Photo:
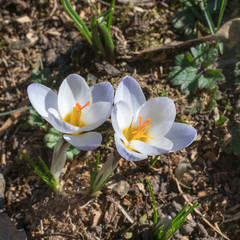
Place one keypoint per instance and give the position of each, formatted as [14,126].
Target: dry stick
[55,234]
[197,211]
[54,9]
[224,33]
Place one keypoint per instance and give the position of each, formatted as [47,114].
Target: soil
[40,31]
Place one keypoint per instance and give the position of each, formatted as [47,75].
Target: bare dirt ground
[35,31]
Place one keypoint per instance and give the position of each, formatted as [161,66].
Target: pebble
[203,231]
[121,188]
[187,229]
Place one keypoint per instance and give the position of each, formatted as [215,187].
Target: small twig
[196,210]
[41,225]
[124,212]
[54,9]
[83,206]
[38,236]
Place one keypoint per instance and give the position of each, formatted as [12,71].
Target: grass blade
[97,43]
[109,46]
[15,110]
[223,6]
[95,8]
[207,16]
[81,24]
[155,218]
[111,8]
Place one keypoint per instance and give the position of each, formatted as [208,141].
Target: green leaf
[221,120]
[193,70]
[72,151]
[40,76]
[75,17]
[47,177]
[35,119]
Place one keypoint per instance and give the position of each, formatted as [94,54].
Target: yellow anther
[138,133]
[74,118]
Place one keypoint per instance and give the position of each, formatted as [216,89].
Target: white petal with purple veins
[95,115]
[130,92]
[86,141]
[181,135]
[102,92]
[42,98]
[127,153]
[72,90]
[161,111]
[121,118]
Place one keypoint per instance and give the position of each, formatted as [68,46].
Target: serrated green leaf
[203,54]
[35,119]
[193,70]
[70,155]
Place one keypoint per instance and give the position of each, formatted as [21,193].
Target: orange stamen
[141,126]
[80,108]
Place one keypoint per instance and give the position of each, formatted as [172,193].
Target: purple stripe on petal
[126,153]
[87,141]
[102,92]
[181,135]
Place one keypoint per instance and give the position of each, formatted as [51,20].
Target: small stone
[180,170]
[8,230]
[91,78]
[51,56]
[121,188]
[187,229]
[177,206]
[155,185]
[141,187]
[203,231]
[111,70]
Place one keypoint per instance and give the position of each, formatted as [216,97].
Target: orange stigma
[141,126]
[80,108]
[74,117]
[142,129]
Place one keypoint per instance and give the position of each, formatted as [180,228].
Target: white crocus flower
[146,128]
[75,110]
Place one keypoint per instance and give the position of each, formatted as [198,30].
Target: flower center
[138,133]
[74,118]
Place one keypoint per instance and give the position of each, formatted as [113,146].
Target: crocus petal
[162,143]
[130,92]
[181,135]
[86,142]
[72,90]
[42,98]
[126,153]
[122,116]
[95,115]
[148,149]
[61,125]
[102,92]
[162,113]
